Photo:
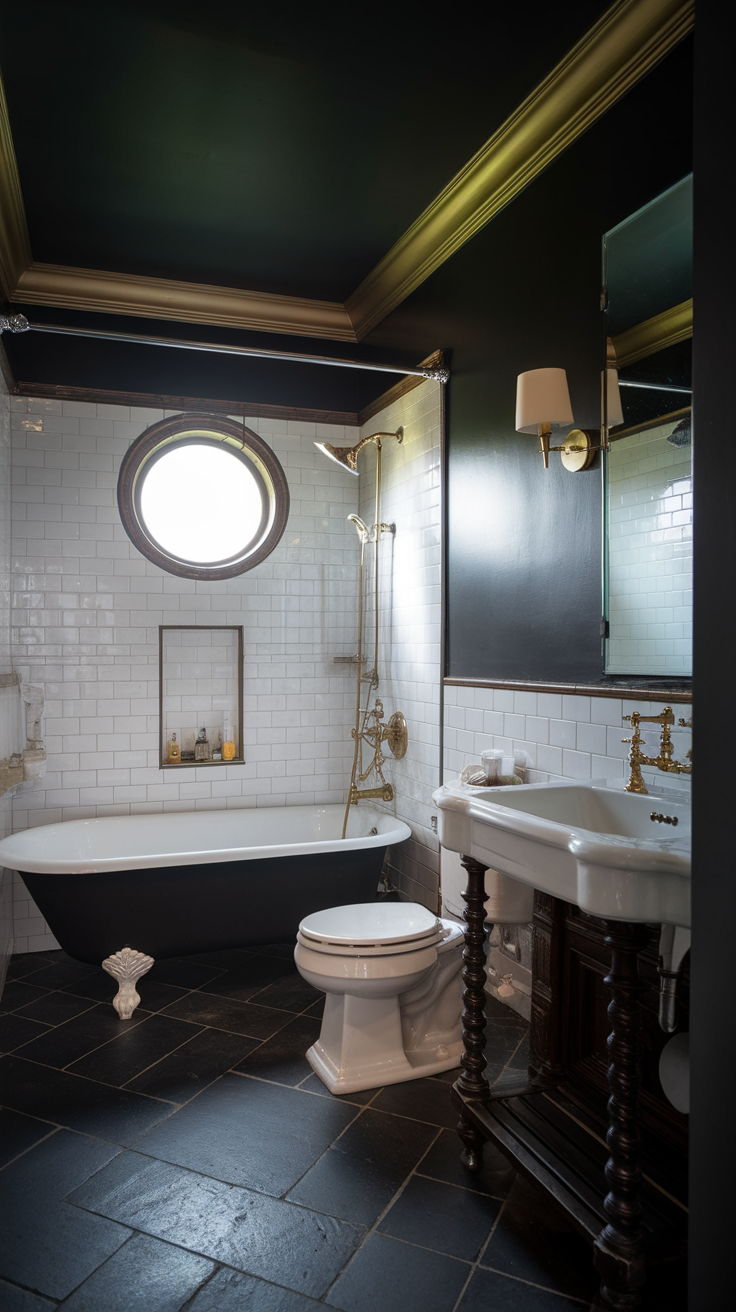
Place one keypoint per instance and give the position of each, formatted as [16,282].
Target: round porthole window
[202,497]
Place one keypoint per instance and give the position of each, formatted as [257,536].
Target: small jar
[228,742]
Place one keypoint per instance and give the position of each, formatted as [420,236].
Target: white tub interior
[134,842]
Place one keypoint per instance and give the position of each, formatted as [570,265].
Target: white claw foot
[126,967]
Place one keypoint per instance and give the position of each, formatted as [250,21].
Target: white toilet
[391,973]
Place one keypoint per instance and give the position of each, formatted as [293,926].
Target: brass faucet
[662,762]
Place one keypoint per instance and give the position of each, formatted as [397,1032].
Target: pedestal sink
[589,843]
[624,857]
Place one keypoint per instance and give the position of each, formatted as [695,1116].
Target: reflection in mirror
[648,470]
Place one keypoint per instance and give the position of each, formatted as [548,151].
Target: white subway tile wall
[650,554]
[86,611]
[565,737]
[409,625]
[6,887]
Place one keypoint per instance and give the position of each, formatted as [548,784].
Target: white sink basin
[589,843]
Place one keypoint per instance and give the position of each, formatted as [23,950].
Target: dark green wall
[524,546]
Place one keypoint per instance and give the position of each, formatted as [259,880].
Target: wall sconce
[543,403]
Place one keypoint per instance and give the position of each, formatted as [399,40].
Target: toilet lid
[366,925]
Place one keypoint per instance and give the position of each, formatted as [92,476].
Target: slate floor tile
[229,1014]
[291,993]
[263,1236]
[47,1245]
[532,1242]
[15,1299]
[283,950]
[145,1275]
[397,1277]
[133,1051]
[313,1084]
[99,987]
[283,1058]
[15,1031]
[442,1162]
[488,1289]
[358,1176]
[18,1133]
[68,1042]
[18,993]
[185,1072]
[253,975]
[60,972]
[185,974]
[424,1100]
[442,1217]
[231,1291]
[248,1132]
[24,964]
[77,1103]
[227,959]
[55,1008]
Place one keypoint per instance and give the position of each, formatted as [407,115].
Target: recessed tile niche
[200,695]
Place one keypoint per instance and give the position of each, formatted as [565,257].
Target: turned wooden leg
[472,1083]
[619,1248]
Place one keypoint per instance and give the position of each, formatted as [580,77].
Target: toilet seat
[370,929]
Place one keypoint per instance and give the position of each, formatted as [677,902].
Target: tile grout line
[372,1229]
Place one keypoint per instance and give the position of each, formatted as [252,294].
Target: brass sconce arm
[664,760]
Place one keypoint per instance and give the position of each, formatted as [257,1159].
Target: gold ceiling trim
[188,302]
[625,43]
[616,52]
[15,248]
[665,329]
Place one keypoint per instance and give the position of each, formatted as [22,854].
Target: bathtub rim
[16,851]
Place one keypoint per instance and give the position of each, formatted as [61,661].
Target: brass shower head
[340,454]
[347,456]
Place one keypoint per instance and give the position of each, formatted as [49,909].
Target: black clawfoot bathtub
[183,882]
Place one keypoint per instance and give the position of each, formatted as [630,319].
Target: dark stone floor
[190,1159]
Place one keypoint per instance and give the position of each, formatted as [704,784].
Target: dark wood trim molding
[437,360]
[645,691]
[159,401]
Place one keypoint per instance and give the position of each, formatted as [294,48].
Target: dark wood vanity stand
[591,1125]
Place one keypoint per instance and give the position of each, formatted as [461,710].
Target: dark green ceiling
[279,147]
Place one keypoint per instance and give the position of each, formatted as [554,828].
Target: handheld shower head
[363,530]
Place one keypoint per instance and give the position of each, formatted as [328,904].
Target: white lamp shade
[542,398]
[614,409]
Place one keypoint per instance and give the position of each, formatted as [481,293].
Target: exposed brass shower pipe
[348,458]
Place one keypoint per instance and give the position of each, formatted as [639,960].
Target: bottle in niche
[202,747]
[228,742]
[217,748]
[173,754]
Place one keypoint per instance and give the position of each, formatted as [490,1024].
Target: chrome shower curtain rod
[439,375]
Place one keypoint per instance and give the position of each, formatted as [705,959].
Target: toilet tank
[508,902]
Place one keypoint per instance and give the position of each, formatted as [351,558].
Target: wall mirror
[647,282]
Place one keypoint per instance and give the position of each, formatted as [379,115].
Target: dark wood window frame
[183,430]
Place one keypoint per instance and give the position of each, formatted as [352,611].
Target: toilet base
[394,1070]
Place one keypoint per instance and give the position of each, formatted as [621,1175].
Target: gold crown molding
[188,302]
[15,246]
[625,43]
[665,329]
[616,52]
